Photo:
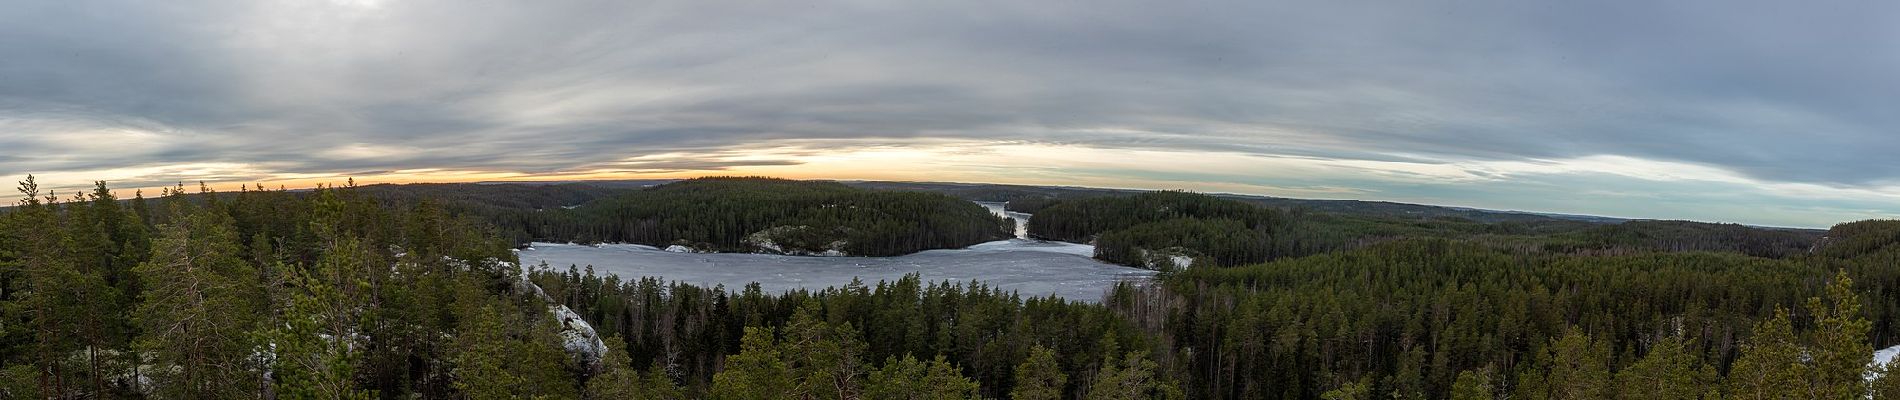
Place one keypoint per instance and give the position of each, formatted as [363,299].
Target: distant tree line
[739,214]
[1145,230]
[1135,230]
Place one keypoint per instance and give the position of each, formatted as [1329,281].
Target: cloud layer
[1776,103]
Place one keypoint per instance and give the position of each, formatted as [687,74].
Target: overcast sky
[1763,112]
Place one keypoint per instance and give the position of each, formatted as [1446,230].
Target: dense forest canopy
[770,215]
[1149,229]
[257,293]
[408,291]
[1144,230]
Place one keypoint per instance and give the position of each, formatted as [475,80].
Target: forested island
[752,214]
[407,291]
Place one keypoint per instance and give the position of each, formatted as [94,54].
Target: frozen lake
[1032,268]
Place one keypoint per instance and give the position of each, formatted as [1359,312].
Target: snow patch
[1882,357]
[1182,262]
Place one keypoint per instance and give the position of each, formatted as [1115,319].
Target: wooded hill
[1144,229]
[775,215]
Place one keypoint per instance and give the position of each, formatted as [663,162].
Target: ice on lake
[1029,267]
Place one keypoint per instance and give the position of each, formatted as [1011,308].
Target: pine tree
[199,309]
[316,346]
[1886,383]
[1128,376]
[1770,365]
[1474,385]
[53,290]
[618,380]
[498,353]
[825,360]
[1572,367]
[1839,343]
[1356,390]
[910,379]
[1039,377]
[758,372]
[1668,371]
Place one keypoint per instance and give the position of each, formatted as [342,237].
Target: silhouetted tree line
[1032,204]
[720,214]
[1143,230]
[1131,230]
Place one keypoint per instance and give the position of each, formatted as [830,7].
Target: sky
[1760,112]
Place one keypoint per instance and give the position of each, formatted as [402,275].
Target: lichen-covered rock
[799,241]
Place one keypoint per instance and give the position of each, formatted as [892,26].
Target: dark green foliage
[201,302]
[1478,384]
[322,294]
[1571,367]
[406,292]
[910,379]
[1670,370]
[1128,376]
[1861,239]
[1887,385]
[1413,314]
[984,331]
[1691,236]
[517,210]
[1218,242]
[1127,230]
[1039,377]
[1770,366]
[1030,205]
[758,371]
[742,214]
[1081,220]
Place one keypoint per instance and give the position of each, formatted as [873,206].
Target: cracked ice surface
[1033,268]
[1030,267]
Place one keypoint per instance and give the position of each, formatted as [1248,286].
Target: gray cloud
[1774,90]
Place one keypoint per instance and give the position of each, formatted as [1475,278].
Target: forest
[763,214]
[388,292]
[1144,230]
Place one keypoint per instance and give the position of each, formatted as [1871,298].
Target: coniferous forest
[412,291]
[765,214]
